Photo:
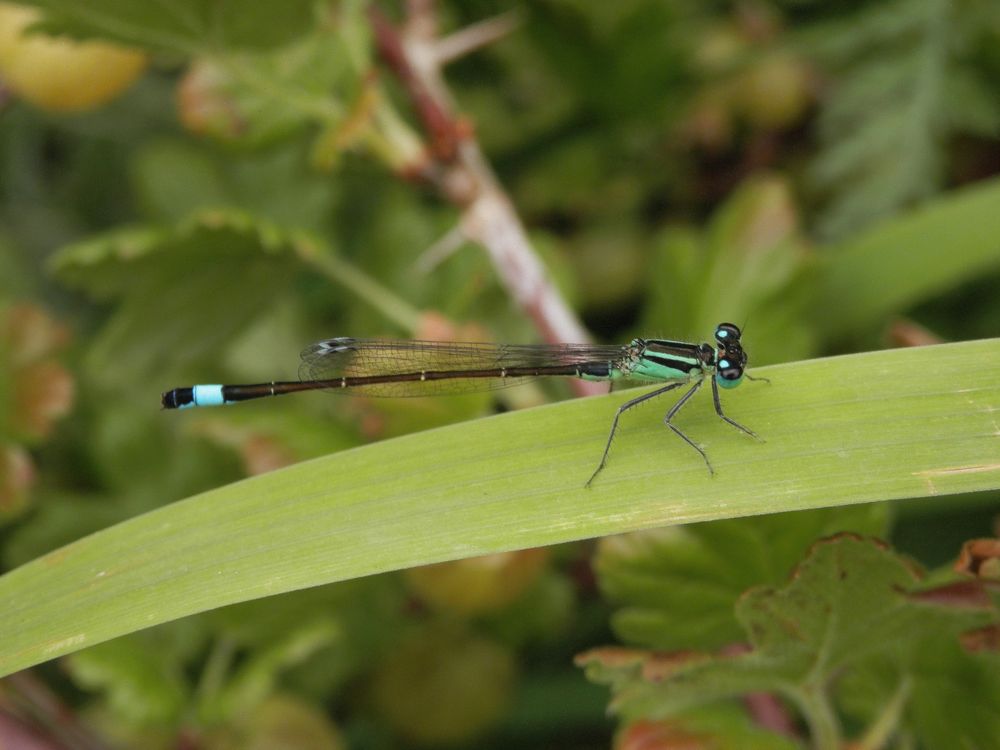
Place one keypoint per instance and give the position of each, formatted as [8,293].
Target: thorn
[474,37]
[441,250]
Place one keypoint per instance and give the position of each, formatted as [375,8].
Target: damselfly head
[730,360]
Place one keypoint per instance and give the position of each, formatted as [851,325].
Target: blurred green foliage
[823,174]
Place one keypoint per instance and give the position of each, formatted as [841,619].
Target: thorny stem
[471,38]
[461,173]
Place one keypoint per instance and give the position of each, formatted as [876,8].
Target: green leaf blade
[846,430]
[925,252]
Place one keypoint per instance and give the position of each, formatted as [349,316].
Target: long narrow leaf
[925,252]
[852,429]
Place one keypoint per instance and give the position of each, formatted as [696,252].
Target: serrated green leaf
[181,26]
[839,431]
[678,585]
[192,317]
[184,291]
[106,265]
[255,99]
[847,602]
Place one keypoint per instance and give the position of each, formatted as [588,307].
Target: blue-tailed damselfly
[375,367]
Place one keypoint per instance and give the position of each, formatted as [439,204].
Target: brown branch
[434,118]
[463,176]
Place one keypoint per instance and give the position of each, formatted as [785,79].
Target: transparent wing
[469,366]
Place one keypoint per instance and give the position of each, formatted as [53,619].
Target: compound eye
[726,333]
[729,373]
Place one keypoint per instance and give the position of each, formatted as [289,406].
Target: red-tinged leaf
[981,558]
[965,594]
[982,639]
[722,727]
[848,606]
[660,735]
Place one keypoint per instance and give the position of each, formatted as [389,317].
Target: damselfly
[374,367]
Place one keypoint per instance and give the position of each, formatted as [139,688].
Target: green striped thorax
[659,360]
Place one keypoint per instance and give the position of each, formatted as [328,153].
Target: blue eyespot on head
[727,333]
[728,374]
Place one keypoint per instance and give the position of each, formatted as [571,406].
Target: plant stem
[365,287]
[887,723]
[819,714]
[457,167]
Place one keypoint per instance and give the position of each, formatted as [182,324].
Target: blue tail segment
[199,395]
